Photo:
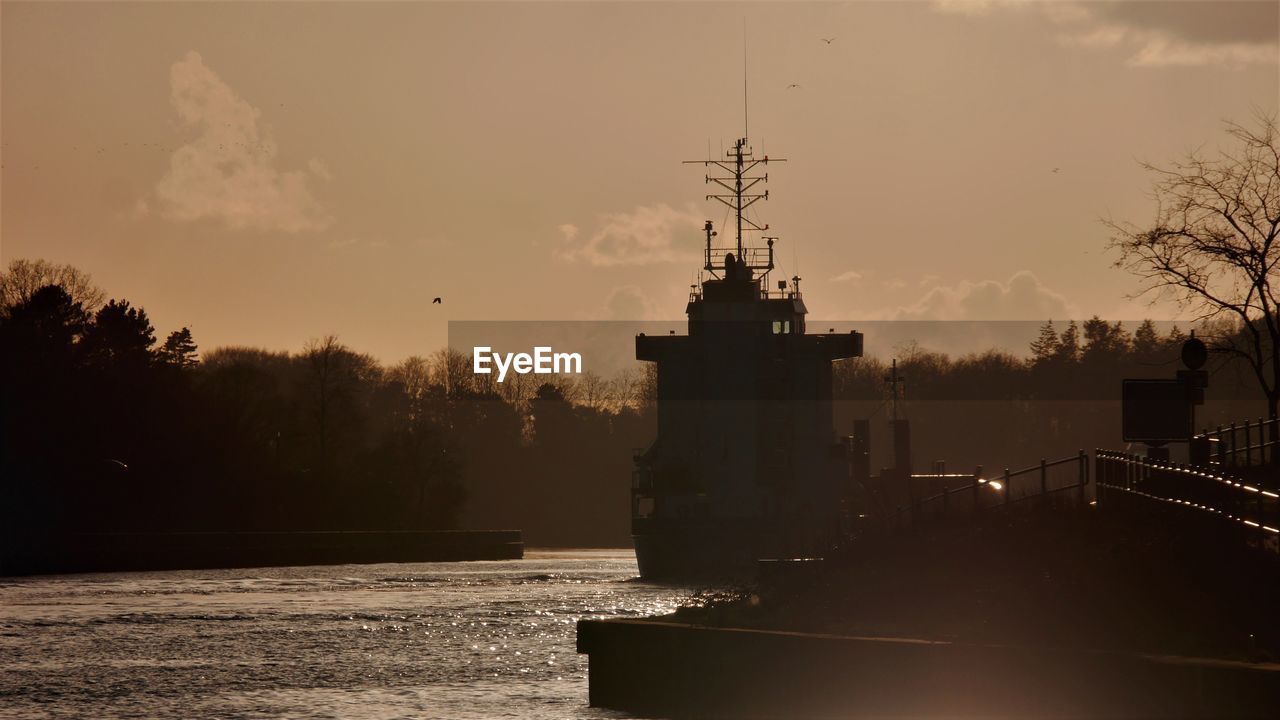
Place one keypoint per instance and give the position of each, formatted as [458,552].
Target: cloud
[648,235]
[1022,297]
[1157,34]
[1160,51]
[569,231]
[628,303]
[1218,22]
[847,276]
[975,8]
[228,171]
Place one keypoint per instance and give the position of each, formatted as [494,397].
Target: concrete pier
[675,670]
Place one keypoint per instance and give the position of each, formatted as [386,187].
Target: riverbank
[109,552]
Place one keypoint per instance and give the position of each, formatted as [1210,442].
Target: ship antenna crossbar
[739,183]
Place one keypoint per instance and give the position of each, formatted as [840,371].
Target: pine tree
[179,349]
[1104,342]
[1146,341]
[1044,347]
[1120,340]
[120,335]
[1069,344]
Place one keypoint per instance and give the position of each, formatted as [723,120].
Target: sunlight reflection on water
[440,640]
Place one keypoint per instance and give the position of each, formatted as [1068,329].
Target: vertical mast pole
[738,194]
[741,145]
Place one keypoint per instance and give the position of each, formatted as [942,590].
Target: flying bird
[793,85]
[436,301]
[1056,169]
[827,40]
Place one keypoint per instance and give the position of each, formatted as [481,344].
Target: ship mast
[738,182]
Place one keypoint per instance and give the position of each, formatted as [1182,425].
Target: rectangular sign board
[1155,411]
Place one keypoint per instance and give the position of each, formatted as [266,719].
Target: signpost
[1157,412]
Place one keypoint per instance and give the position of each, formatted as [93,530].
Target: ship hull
[693,553]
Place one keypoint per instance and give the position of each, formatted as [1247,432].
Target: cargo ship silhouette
[746,464]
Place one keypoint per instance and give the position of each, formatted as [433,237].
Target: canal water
[428,640]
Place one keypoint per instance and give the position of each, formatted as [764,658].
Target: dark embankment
[677,670]
[1101,613]
[108,552]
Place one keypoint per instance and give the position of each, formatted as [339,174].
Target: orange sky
[268,173]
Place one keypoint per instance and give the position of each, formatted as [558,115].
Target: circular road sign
[1194,353]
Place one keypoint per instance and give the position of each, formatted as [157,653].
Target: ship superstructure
[747,464]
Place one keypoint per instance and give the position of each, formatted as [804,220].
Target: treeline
[1075,361]
[107,428]
[996,410]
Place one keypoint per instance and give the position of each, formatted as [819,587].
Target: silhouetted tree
[1102,340]
[41,400]
[179,349]
[1045,346]
[44,326]
[1068,344]
[335,382]
[120,335]
[856,378]
[414,376]
[1146,341]
[989,375]
[1214,246]
[22,278]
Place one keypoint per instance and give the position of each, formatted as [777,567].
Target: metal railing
[1236,504]
[1004,486]
[1233,445]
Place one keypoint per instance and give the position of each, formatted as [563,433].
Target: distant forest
[106,426]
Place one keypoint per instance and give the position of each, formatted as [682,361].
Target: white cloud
[1160,50]
[628,303]
[1022,297]
[228,171]
[1156,34]
[847,276]
[648,235]
[974,7]
[1098,36]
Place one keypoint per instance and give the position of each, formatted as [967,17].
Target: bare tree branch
[1213,245]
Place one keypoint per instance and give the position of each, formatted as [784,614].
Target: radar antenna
[739,193]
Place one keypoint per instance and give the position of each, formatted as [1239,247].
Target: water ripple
[444,640]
